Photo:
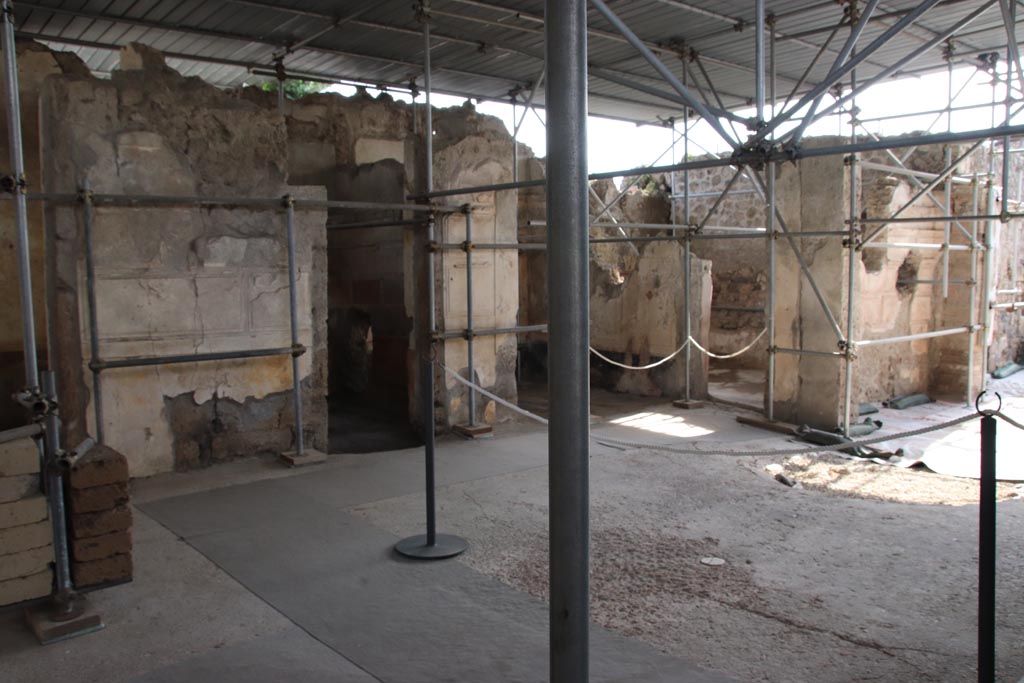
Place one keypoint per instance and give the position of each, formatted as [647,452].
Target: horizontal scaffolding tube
[915,245]
[1010,306]
[898,170]
[195,357]
[521,246]
[921,335]
[376,224]
[521,329]
[254,202]
[17,433]
[807,352]
[940,219]
[780,156]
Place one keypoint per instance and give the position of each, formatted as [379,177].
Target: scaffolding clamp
[467,246]
[288,201]
[433,246]
[298,350]
[848,349]
[10,184]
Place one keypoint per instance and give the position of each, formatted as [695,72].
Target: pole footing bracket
[444,546]
[308,457]
[474,431]
[63,619]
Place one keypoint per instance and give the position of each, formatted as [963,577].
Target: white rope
[722,448]
[729,355]
[655,364]
[494,397]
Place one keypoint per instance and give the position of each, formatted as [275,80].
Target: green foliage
[294,89]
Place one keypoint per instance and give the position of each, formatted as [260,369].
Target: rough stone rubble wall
[180,280]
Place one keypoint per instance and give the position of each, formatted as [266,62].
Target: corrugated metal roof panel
[484,48]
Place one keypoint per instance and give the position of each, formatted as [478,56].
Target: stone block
[18,487]
[21,512]
[19,457]
[100,466]
[100,547]
[99,523]
[26,588]
[97,498]
[25,563]
[25,537]
[107,570]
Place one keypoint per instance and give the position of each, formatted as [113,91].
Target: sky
[618,145]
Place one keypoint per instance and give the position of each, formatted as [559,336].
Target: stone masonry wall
[178,280]
[26,550]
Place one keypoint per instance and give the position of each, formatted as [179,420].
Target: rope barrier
[716,447]
[729,355]
[691,340]
[650,366]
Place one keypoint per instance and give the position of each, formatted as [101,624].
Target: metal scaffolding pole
[90,288]
[21,240]
[972,339]
[293,319]
[759,25]
[769,311]
[431,545]
[851,264]
[569,356]
[469,317]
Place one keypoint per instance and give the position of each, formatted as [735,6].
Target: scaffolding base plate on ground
[308,457]
[445,546]
[474,431]
[49,630]
[688,404]
[770,425]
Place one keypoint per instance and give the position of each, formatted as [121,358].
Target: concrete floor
[251,572]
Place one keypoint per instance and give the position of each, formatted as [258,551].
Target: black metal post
[432,545]
[568,301]
[987,554]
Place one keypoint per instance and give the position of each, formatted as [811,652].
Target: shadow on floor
[355,427]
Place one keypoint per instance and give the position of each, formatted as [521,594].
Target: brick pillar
[100,519]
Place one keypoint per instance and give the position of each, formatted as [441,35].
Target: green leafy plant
[295,89]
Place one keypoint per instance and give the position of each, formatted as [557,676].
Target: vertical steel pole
[515,143]
[55,499]
[769,393]
[90,288]
[432,545]
[972,338]
[21,242]
[429,418]
[469,315]
[294,321]
[759,25]
[569,306]
[851,276]
[987,554]
[687,329]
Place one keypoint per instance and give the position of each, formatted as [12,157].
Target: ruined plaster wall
[739,272]
[371,149]
[899,290]
[180,280]
[35,63]
[472,150]
[1007,338]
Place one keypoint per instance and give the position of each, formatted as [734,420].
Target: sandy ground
[863,573]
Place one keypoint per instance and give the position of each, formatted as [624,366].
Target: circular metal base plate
[445,546]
